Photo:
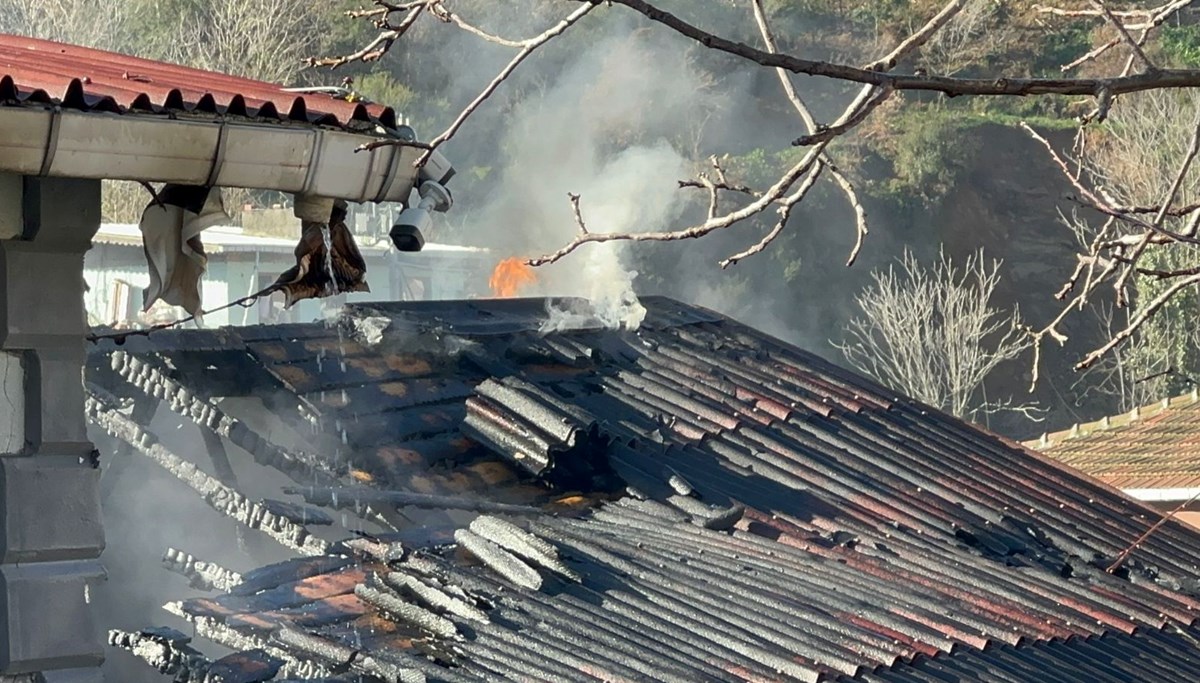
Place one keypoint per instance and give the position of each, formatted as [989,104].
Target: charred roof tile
[858,533]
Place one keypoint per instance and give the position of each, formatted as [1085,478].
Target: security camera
[408,232]
[437,169]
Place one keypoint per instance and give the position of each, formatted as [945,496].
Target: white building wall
[392,276]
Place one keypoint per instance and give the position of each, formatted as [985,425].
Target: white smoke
[572,139]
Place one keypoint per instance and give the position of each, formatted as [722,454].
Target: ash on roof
[737,509]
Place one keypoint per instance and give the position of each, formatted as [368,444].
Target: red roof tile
[42,71]
[1156,446]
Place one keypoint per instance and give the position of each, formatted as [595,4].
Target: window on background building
[122,307]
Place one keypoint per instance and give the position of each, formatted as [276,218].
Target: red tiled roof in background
[1154,447]
[42,71]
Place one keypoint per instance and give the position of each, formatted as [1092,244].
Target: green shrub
[928,151]
[1181,46]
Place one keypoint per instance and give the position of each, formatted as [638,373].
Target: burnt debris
[540,433]
[691,501]
[201,575]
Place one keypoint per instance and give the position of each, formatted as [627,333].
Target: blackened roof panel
[770,516]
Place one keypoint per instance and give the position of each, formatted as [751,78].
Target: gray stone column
[51,533]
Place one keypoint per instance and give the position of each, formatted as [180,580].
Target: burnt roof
[34,71]
[694,498]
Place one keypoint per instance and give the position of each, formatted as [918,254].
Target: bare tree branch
[1134,46]
[776,191]
[528,47]
[574,199]
[712,224]
[1140,319]
[383,42]
[442,12]
[827,133]
[1095,87]
[860,214]
[785,212]
[919,38]
[1155,18]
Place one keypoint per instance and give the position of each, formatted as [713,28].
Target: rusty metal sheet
[88,79]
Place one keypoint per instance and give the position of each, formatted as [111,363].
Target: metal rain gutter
[1157,495]
[299,159]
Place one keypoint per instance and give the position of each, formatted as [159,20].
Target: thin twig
[1099,204]
[785,212]
[916,40]
[1140,319]
[574,199]
[828,133]
[528,47]
[1184,167]
[860,214]
[1134,46]
[378,47]
[442,12]
[712,224]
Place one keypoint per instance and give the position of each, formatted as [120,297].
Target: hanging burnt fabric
[328,261]
[171,227]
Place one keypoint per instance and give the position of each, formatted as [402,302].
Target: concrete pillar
[51,533]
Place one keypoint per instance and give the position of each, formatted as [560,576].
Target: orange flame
[509,276]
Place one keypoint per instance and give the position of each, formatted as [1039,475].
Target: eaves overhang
[70,111]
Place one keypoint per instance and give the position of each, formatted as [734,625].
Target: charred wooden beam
[218,496]
[205,576]
[388,601]
[301,468]
[523,544]
[296,663]
[167,651]
[499,560]
[220,459]
[213,422]
[309,656]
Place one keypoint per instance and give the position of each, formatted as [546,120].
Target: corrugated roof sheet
[1153,447]
[766,516]
[34,71]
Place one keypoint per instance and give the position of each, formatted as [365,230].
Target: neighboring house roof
[226,239]
[695,501]
[1152,452]
[81,78]
[70,111]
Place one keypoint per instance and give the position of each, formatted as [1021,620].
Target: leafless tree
[975,33]
[70,21]
[934,333]
[263,39]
